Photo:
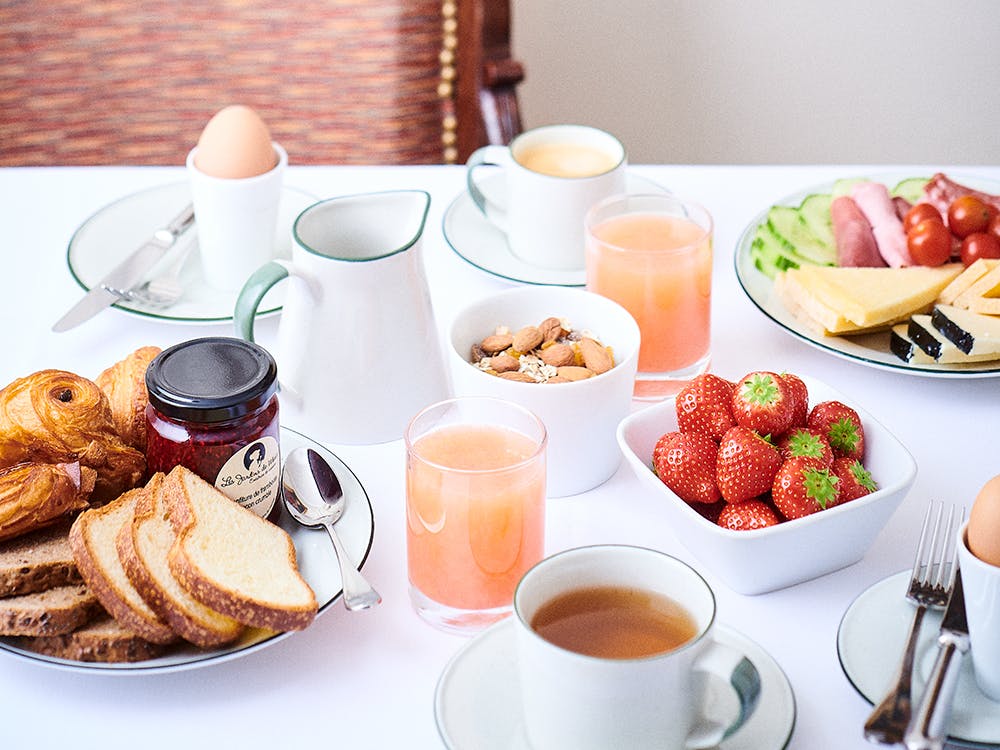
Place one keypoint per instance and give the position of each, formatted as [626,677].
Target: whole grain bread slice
[92,539]
[37,561]
[143,546]
[233,560]
[53,612]
[103,640]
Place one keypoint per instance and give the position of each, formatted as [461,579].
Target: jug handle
[253,291]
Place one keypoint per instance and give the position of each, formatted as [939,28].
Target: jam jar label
[252,475]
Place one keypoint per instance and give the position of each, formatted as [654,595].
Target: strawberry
[855,479]
[762,402]
[705,405]
[685,462]
[842,427]
[748,515]
[804,441]
[746,465]
[800,398]
[803,486]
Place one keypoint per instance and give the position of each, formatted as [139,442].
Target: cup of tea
[553,174]
[614,647]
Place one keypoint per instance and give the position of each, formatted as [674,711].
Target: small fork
[931,580]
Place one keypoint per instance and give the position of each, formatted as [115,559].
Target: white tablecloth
[367,680]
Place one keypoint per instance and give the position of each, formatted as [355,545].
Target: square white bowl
[761,560]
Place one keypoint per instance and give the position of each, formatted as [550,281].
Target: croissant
[34,495]
[124,383]
[53,416]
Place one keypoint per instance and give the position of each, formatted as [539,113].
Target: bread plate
[871,349]
[317,564]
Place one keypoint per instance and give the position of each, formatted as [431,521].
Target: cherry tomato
[929,243]
[918,213]
[980,245]
[994,227]
[968,215]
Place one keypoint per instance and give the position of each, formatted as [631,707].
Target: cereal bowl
[754,562]
[581,417]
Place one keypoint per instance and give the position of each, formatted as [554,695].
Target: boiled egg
[983,534]
[235,144]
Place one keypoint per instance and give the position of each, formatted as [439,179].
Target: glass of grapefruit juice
[652,254]
[475,508]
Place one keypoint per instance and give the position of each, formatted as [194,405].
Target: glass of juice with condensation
[652,254]
[475,508]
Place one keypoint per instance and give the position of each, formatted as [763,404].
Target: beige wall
[769,81]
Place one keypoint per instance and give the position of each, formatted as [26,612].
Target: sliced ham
[856,244]
[941,191]
[876,204]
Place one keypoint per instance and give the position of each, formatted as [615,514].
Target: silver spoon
[314,497]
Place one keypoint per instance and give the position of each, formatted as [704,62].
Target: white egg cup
[235,220]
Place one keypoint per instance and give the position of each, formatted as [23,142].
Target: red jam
[213,408]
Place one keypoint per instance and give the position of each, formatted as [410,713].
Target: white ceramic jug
[358,350]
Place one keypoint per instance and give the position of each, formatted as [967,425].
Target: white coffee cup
[358,351]
[553,175]
[981,584]
[573,700]
[235,220]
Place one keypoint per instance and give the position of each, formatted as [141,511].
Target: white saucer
[477,703]
[870,644]
[114,231]
[477,241]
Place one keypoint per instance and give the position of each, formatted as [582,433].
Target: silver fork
[164,289]
[931,580]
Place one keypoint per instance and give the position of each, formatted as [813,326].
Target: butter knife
[126,274]
[929,727]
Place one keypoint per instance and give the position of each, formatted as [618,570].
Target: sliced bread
[92,539]
[233,560]
[143,546]
[104,640]
[59,610]
[37,561]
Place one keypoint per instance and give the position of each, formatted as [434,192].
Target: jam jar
[213,408]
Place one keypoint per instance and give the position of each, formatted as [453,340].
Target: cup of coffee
[553,175]
[615,649]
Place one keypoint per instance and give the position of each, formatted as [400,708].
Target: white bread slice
[104,640]
[37,561]
[233,560]
[53,612]
[92,538]
[973,273]
[873,296]
[143,546]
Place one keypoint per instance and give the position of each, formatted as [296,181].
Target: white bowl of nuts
[566,354]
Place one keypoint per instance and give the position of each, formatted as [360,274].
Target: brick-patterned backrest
[337,81]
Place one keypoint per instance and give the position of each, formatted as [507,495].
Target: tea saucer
[111,233]
[870,643]
[477,702]
[478,242]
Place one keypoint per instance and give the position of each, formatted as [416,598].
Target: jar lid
[212,379]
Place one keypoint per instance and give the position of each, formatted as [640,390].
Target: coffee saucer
[870,644]
[477,241]
[477,702]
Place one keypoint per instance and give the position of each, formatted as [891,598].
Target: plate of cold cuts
[941,321]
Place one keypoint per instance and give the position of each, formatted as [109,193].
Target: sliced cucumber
[770,254]
[844,185]
[815,210]
[912,189]
[790,228]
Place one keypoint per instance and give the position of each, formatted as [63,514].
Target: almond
[572,372]
[596,358]
[558,379]
[527,339]
[520,377]
[551,329]
[496,343]
[504,363]
[558,355]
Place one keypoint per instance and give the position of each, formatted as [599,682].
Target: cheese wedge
[919,342]
[972,332]
[966,279]
[983,296]
[813,313]
[851,299]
